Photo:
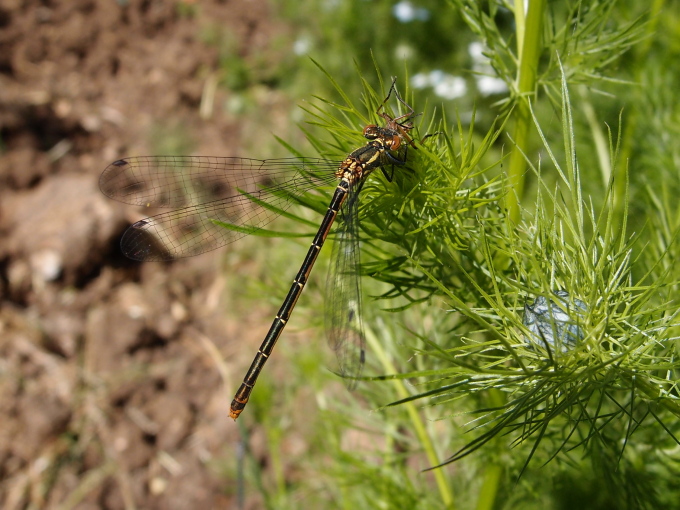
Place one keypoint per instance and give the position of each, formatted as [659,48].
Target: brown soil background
[112,376]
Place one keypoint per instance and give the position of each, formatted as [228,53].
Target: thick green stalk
[493,471]
[490,483]
[529,32]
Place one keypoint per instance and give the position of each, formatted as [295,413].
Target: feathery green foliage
[482,222]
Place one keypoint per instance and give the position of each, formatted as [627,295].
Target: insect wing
[344,325]
[202,192]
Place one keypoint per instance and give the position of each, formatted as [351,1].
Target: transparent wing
[344,324]
[202,191]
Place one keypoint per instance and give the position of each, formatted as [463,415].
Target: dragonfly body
[352,171]
[205,213]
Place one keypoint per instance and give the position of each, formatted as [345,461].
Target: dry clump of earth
[111,372]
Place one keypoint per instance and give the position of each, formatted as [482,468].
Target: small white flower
[445,85]
[476,52]
[420,81]
[488,85]
[406,12]
[451,87]
[301,46]
[403,51]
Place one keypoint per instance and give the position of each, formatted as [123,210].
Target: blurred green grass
[358,459]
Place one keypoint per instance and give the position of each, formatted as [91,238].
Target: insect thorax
[362,161]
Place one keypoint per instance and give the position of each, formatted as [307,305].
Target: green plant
[465,237]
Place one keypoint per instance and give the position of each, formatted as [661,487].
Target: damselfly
[215,201]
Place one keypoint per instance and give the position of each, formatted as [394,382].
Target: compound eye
[396,143]
[371,132]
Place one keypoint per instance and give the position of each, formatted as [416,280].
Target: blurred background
[116,377]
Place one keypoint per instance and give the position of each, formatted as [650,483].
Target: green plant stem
[599,138]
[493,470]
[489,489]
[418,425]
[652,392]
[620,179]
[529,32]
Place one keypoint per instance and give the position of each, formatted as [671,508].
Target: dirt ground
[110,371]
